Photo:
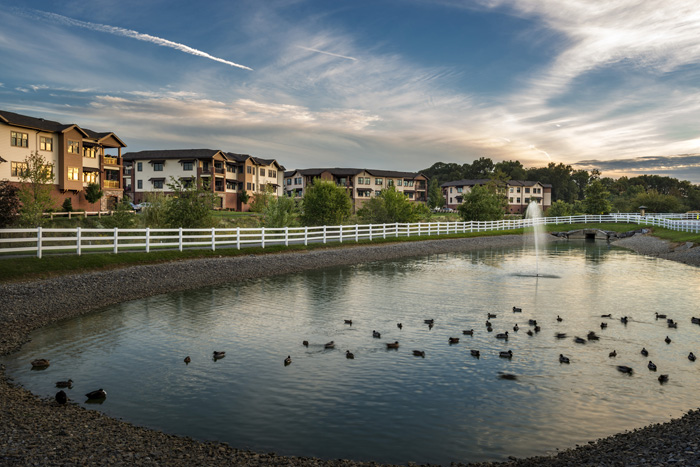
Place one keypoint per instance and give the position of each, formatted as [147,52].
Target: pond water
[387,404]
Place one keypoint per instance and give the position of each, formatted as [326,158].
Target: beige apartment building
[360,184]
[79,157]
[519,193]
[226,174]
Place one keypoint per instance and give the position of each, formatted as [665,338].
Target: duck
[490,315]
[392,345]
[532,322]
[623,320]
[673,325]
[651,366]
[537,329]
[349,355]
[430,326]
[579,340]
[305,343]
[667,340]
[563,359]
[613,354]
[559,318]
[592,336]
[645,352]
[468,332]
[399,325]
[40,363]
[669,321]
[489,329]
[530,333]
[515,328]
[429,321]
[560,335]
[508,376]
[502,335]
[609,315]
[517,309]
[663,379]
[219,354]
[475,353]
[603,325]
[348,321]
[624,369]
[453,340]
[419,353]
[691,356]
[488,323]
[329,345]
[98,394]
[69,384]
[506,354]
[288,360]
[658,316]
[694,320]
[376,335]
[188,359]
[61,397]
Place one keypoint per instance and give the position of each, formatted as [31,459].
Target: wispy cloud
[117,31]
[327,53]
[682,161]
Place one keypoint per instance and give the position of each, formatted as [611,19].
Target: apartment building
[519,193]
[226,174]
[79,157]
[360,184]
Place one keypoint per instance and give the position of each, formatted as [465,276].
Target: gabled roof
[464,182]
[25,121]
[101,137]
[346,172]
[172,154]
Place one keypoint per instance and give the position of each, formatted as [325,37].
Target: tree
[93,193]
[123,216]
[435,198]
[560,208]
[513,170]
[190,206]
[325,203]
[155,215]
[656,202]
[280,212]
[35,192]
[9,203]
[261,199]
[67,205]
[483,203]
[243,197]
[388,207]
[597,200]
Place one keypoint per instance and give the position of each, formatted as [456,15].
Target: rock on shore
[36,431]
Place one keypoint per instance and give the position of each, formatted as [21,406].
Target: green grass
[18,269]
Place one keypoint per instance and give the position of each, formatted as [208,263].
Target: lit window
[73,173]
[90,177]
[18,168]
[74,147]
[46,143]
[89,152]
[19,139]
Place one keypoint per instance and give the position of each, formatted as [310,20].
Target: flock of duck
[99,395]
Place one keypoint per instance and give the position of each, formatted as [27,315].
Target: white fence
[37,241]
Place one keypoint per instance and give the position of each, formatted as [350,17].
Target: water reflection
[371,407]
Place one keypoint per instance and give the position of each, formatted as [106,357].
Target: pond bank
[35,431]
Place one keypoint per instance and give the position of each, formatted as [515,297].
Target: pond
[387,404]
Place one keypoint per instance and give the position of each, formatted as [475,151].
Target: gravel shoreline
[36,431]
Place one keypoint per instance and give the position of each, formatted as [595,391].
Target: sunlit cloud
[134,35]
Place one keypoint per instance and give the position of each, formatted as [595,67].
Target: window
[205,166]
[46,143]
[288,181]
[90,177]
[231,185]
[410,195]
[527,200]
[73,173]
[187,166]
[527,190]
[73,147]
[297,181]
[459,189]
[18,168]
[89,152]
[253,186]
[272,173]
[127,170]
[158,184]
[518,201]
[139,167]
[511,189]
[139,184]
[409,183]
[399,182]
[450,189]
[378,181]
[390,182]
[248,184]
[158,167]
[249,169]
[451,201]
[262,172]
[19,139]
[360,180]
[518,189]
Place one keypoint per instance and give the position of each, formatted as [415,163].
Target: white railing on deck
[37,241]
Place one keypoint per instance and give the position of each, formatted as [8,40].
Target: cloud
[117,31]
[652,163]
[327,53]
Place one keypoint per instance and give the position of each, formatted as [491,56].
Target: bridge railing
[38,241]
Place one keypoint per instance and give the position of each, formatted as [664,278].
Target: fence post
[408,230]
[38,242]
[286,236]
[262,236]
[370,232]
[397,230]
[148,240]
[238,238]
[116,240]
[213,239]
[340,234]
[306,235]
[324,234]
[78,241]
[383,230]
[357,233]
[179,240]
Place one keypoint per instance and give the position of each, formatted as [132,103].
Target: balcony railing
[111,184]
[220,170]
[110,160]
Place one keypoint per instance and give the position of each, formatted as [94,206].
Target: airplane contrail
[327,53]
[117,31]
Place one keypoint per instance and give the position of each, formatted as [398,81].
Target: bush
[325,203]
[67,205]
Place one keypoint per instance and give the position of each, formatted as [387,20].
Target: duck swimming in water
[644,352]
[218,354]
[691,356]
[376,335]
[515,328]
[469,332]
[517,309]
[651,366]
[188,359]
[392,345]
[559,318]
[349,355]
[503,335]
[453,340]
[99,394]
[667,340]
[288,360]
[613,354]
[563,359]
[625,369]
[329,345]
[475,353]
[40,363]
[419,353]
[399,325]
[61,397]
[507,354]
[69,384]
[663,379]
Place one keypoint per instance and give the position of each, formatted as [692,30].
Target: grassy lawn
[17,269]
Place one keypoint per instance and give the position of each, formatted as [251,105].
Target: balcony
[109,160]
[219,170]
[111,184]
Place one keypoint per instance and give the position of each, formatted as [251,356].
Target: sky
[384,84]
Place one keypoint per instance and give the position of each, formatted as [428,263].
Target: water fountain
[534,215]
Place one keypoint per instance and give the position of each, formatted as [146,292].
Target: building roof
[51,126]
[171,154]
[464,182]
[347,171]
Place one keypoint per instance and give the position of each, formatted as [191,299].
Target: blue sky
[387,84]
